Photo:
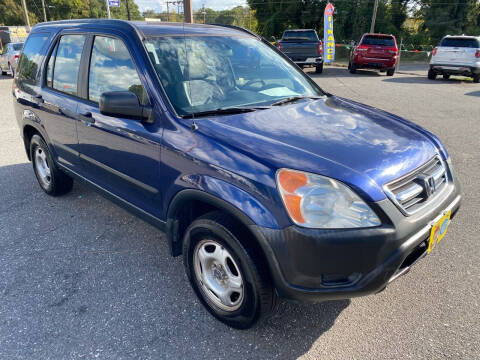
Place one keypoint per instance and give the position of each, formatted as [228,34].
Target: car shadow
[102,277]
[413,79]
[473,93]
[336,72]
[5,77]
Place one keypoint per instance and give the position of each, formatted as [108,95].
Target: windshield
[378,40]
[303,35]
[460,42]
[206,73]
[17,46]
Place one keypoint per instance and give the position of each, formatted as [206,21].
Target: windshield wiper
[292,99]
[223,111]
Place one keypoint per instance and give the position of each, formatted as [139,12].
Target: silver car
[9,58]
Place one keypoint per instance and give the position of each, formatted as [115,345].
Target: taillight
[279,46]
[477,54]
[362,48]
[434,52]
[393,51]
[15,56]
[320,48]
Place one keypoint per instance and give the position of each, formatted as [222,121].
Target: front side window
[67,63]
[31,57]
[203,73]
[112,69]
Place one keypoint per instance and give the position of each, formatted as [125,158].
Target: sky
[159,5]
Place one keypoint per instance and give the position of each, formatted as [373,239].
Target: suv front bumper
[318,265]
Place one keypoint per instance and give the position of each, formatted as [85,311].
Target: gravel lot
[81,278]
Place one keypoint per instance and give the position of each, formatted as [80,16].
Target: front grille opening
[339,279]
[414,190]
[415,255]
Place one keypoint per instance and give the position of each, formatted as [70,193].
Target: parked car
[9,58]
[304,47]
[266,184]
[375,51]
[456,55]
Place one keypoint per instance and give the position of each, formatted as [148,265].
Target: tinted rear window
[460,42]
[378,40]
[17,46]
[31,57]
[300,35]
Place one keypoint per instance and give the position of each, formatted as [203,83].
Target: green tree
[11,14]
[453,17]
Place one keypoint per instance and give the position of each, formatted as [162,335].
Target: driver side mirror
[124,104]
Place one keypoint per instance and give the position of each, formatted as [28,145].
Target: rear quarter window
[32,56]
[378,40]
[460,42]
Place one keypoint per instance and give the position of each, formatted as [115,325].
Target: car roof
[377,34]
[462,36]
[146,29]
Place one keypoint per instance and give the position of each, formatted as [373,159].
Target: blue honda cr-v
[266,184]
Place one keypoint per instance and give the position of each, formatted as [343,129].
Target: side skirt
[145,216]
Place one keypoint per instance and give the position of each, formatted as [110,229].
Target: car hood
[354,143]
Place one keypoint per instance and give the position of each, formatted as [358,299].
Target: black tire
[353,68]
[259,298]
[446,76]
[390,72]
[59,183]
[476,78]
[432,75]
[319,68]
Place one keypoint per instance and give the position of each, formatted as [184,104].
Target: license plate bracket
[438,231]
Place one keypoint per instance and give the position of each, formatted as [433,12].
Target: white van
[456,55]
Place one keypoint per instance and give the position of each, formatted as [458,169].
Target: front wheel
[432,75]
[390,72]
[476,78]
[446,76]
[52,180]
[319,68]
[228,276]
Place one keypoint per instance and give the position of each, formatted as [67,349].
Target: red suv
[375,51]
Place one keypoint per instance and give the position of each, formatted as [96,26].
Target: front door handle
[87,118]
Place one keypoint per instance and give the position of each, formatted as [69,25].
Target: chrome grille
[414,190]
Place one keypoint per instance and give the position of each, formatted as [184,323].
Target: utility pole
[44,12]
[128,10]
[168,14]
[187,11]
[374,17]
[108,9]
[25,13]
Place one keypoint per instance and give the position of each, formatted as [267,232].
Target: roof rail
[238,28]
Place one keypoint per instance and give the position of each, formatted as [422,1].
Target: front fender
[225,196]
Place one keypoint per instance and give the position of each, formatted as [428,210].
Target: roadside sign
[328,38]
[114,3]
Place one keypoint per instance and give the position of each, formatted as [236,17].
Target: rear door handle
[87,118]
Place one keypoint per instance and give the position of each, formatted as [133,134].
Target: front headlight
[315,201]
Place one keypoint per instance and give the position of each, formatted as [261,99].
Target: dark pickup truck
[304,47]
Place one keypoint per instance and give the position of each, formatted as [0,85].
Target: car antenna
[194,125]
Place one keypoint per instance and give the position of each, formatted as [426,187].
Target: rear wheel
[476,78]
[228,276]
[446,76]
[52,180]
[319,68]
[390,72]
[353,68]
[432,75]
